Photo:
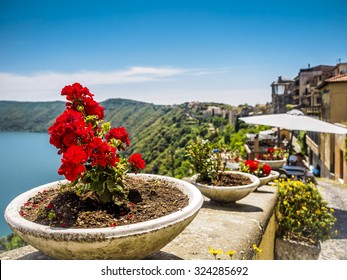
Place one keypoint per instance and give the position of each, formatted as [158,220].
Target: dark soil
[148,199]
[229,180]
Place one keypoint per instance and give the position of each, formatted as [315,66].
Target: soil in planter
[148,199]
[229,180]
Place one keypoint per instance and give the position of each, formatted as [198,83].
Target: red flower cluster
[252,165]
[73,163]
[256,168]
[70,129]
[119,133]
[273,154]
[78,136]
[100,153]
[137,162]
[82,100]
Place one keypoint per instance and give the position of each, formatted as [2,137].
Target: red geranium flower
[137,162]
[92,107]
[252,165]
[73,163]
[120,134]
[266,169]
[76,91]
[89,146]
[70,129]
[101,153]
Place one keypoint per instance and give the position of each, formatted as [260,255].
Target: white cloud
[45,85]
[159,85]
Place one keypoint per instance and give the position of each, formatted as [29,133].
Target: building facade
[320,92]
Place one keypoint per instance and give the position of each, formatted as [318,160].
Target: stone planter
[134,241]
[275,175]
[274,164]
[292,250]
[227,194]
[265,180]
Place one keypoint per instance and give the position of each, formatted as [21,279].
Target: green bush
[302,214]
[12,241]
[204,161]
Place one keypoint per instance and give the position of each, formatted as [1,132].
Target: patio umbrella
[295,120]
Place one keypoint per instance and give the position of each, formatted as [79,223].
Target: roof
[337,79]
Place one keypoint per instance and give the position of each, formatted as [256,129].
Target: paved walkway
[336,196]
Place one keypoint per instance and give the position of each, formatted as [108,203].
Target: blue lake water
[27,160]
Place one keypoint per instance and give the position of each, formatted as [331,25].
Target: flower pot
[275,174]
[265,180]
[227,193]
[133,241]
[274,164]
[293,250]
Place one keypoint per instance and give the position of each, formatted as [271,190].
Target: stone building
[281,93]
[332,148]
[321,92]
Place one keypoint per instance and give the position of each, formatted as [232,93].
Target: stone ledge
[235,226]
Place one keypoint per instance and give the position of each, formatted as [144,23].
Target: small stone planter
[226,194]
[275,174]
[133,241]
[274,164]
[265,180]
[292,250]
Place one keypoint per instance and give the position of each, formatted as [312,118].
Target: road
[336,196]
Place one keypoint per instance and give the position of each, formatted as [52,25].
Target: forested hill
[159,132]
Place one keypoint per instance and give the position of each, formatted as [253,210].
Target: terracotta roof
[336,79]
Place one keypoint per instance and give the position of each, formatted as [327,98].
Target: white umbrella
[295,120]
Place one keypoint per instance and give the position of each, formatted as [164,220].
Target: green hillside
[160,133]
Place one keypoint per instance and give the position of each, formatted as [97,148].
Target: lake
[27,161]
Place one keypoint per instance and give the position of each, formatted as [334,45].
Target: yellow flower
[304,208]
[231,253]
[332,210]
[215,252]
[299,223]
[256,248]
[336,232]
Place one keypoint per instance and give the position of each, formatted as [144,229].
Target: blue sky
[165,52]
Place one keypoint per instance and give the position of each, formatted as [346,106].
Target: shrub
[302,214]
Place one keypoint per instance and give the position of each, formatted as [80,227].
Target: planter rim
[276,160]
[255,182]
[15,220]
[275,174]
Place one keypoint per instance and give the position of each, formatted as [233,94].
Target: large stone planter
[135,241]
[227,194]
[292,250]
[274,164]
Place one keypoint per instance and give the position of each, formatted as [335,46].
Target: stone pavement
[336,196]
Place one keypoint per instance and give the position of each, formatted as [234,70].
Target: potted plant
[101,211]
[212,179]
[275,157]
[304,220]
[261,170]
